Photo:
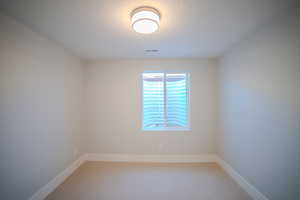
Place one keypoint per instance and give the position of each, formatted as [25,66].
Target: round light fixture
[145,20]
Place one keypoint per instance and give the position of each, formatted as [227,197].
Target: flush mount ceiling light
[145,20]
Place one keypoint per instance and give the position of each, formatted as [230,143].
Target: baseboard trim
[42,193]
[203,158]
[56,181]
[249,188]
[152,158]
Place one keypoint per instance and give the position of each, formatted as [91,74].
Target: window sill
[167,130]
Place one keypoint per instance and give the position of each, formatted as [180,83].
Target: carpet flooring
[148,181]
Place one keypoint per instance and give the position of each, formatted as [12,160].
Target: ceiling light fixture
[145,20]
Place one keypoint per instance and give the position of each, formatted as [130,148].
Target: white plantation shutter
[176,104]
[165,101]
[153,95]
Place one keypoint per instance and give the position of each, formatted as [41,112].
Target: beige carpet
[148,181]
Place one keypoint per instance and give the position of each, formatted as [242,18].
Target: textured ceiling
[95,29]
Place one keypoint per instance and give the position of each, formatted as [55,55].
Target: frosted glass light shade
[145,20]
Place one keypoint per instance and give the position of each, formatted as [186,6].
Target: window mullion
[165,100]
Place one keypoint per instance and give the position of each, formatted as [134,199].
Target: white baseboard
[60,178]
[203,158]
[56,181]
[249,188]
[152,158]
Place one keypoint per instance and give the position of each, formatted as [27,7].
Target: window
[165,101]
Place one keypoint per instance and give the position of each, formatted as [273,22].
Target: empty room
[149,100]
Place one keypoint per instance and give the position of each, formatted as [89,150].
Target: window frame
[188,82]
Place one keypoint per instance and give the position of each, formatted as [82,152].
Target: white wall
[260,101]
[113,105]
[40,89]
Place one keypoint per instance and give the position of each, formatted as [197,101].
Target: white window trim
[166,129]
